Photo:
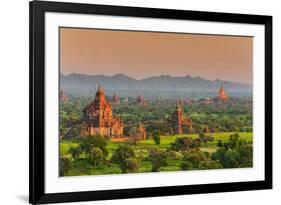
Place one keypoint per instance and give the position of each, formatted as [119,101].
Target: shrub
[90,141]
[186,165]
[75,152]
[219,144]
[198,160]
[234,153]
[228,158]
[174,155]
[65,165]
[205,138]
[96,156]
[135,135]
[185,143]
[132,165]
[158,159]
[121,156]
[246,156]
[156,137]
[194,157]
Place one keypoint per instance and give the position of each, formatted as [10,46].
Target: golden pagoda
[222,94]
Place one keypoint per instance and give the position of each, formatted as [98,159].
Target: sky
[145,54]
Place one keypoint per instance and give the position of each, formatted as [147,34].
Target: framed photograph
[140,102]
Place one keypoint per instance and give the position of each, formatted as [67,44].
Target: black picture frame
[37,10]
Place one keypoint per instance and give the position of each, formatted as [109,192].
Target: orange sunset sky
[144,54]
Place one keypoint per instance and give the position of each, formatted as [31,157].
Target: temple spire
[179,106]
[222,94]
[100,97]
[63,97]
[100,89]
[222,88]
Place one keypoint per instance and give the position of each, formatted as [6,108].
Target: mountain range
[160,86]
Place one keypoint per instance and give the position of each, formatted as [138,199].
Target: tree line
[235,153]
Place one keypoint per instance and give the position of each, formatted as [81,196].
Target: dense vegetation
[174,153]
[234,116]
[227,144]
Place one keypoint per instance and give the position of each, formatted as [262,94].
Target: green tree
[158,159]
[75,152]
[198,160]
[175,155]
[205,138]
[85,147]
[246,156]
[156,136]
[65,165]
[90,141]
[185,143]
[132,165]
[121,156]
[228,158]
[134,135]
[186,165]
[219,143]
[234,153]
[96,156]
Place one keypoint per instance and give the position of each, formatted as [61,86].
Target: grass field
[83,167]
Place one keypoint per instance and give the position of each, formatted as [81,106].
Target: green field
[81,166]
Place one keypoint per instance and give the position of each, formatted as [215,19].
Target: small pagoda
[141,101]
[142,131]
[63,97]
[115,99]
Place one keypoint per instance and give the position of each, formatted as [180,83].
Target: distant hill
[159,86]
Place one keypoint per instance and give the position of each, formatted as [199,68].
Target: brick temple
[98,117]
[180,120]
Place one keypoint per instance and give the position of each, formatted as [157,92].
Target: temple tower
[142,131]
[115,100]
[98,117]
[141,101]
[178,119]
[181,121]
[63,97]
[222,94]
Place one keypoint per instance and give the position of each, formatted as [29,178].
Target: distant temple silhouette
[141,101]
[221,98]
[63,97]
[142,131]
[98,117]
[115,100]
